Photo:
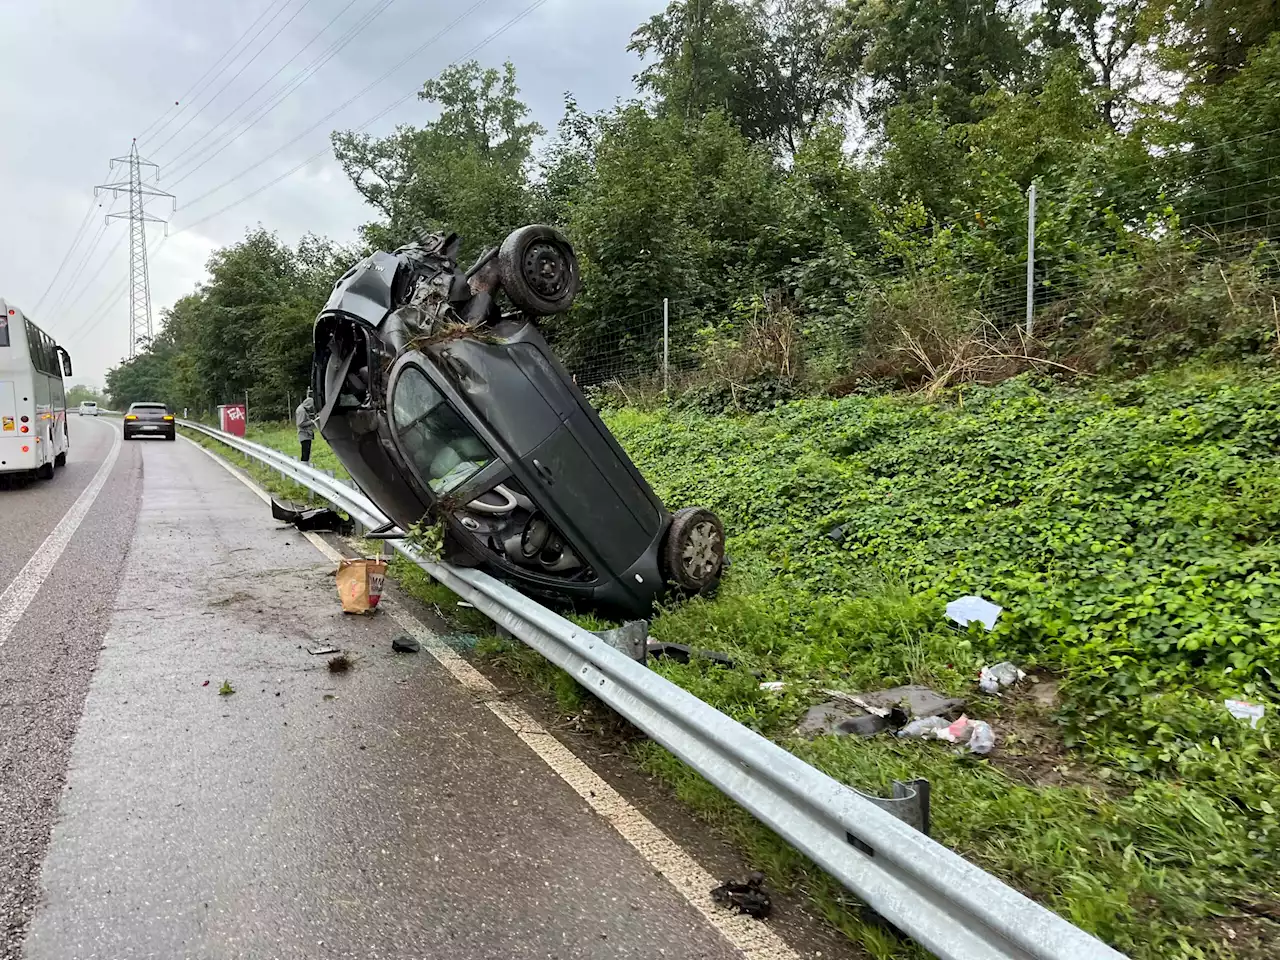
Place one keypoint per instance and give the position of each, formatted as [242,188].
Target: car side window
[444,451]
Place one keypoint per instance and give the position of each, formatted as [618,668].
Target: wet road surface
[49,653]
[379,813]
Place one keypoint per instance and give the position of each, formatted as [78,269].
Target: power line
[200,110]
[97,314]
[81,262]
[346,103]
[93,203]
[270,104]
[84,287]
[176,161]
[96,317]
[182,102]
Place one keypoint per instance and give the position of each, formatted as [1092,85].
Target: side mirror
[66,362]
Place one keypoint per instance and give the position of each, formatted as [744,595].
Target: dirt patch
[1030,745]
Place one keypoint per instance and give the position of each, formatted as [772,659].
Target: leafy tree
[1107,37]
[937,52]
[467,171]
[766,64]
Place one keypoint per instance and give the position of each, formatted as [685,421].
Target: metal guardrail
[939,899]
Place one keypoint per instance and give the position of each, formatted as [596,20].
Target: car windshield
[442,448]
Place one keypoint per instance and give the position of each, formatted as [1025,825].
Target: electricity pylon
[138,217]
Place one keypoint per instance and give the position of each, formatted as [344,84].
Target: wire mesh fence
[1149,230]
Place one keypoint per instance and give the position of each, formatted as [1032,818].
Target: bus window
[4,329]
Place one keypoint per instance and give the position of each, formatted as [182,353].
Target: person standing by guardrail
[305,417]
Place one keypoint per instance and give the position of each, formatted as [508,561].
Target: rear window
[149,406]
[88,403]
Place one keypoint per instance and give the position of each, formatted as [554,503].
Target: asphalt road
[379,813]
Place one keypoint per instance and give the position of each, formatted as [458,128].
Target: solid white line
[19,594]
[753,939]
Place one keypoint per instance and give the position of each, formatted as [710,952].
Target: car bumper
[149,430]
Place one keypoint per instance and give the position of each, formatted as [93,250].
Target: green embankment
[1129,530]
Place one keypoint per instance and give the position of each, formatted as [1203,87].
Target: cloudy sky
[84,77]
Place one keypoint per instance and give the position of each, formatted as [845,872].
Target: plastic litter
[924,728]
[1001,675]
[972,609]
[831,718]
[1244,710]
[982,738]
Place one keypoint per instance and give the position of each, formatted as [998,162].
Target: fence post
[666,345]
[1031,256]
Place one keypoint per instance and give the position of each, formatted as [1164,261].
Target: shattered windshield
[442,448]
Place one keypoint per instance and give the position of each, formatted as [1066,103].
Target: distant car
[149,420]
[440,405]
[88,409]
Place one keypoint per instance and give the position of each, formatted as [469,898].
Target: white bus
[33,403]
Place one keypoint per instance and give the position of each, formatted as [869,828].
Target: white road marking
[753,939]
[19,594]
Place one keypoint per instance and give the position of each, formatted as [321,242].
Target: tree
[1209,41]
[765,64]
[1108,37]
[942,53]
[467,171]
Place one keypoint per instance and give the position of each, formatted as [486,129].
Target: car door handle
[544,473]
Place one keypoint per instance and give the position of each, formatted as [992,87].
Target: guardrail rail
[930,893]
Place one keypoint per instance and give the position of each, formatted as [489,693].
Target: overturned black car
[444,406]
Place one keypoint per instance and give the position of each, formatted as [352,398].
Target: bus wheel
[45,471]
[61,459]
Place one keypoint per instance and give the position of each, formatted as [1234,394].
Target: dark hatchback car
[442,405]
[149,420]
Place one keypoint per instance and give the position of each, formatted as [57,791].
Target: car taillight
[24,419]
[130,416]
[24,429]
[169,418]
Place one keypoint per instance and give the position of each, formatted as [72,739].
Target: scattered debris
[773,686]
[340,664]
[405,644]
[360,584]
[833,718]
[226,689]
[867,714]
[465,605]
[205,684]
[683,654]
[976,733]
[308,518]
[322,650]
[836,534]
[912,701]
[1001,675]
[925,727]
[1244,710]
[972,609]
[631,638]
[750,898]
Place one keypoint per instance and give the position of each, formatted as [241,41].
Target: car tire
[60,460]
[539,270]
[44,471]
[172,437]
[693,551]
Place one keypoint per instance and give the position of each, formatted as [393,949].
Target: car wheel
[60,460]
[693,554]
[539,270]
[171,437]
[45,471]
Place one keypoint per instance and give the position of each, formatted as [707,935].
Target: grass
[1130,533]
